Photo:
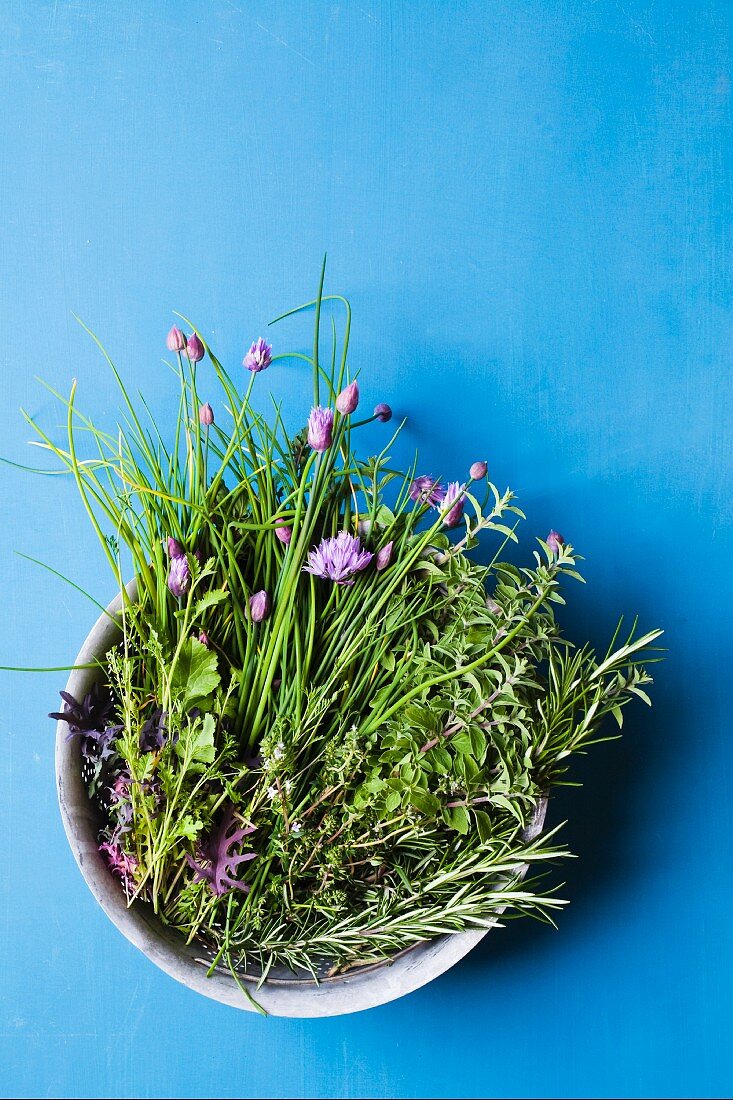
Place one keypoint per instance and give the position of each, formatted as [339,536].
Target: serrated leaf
[195,674]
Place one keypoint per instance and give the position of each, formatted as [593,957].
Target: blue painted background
[529,205]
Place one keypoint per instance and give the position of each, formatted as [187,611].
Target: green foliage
[389,741]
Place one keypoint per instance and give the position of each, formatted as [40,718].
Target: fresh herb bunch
[326,728]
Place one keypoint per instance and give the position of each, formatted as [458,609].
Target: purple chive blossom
[206,415]
[426,490]
[259,606]
[338,559]
[383,412]
[179,576]
[204,639]
[258,357]
[217,864]
[452,506]
[478,471]
[175,550]
[175,340]
[384,557]
[195,348]
[284,534]
[122,865]
[554,541]
[320,426]
[348,399]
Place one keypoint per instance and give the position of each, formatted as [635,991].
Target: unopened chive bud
[384,557]
[206,415]
[348,399]
[259,606]
[383,412]
[284,534]
[478,471]
[175,340]
[195,348]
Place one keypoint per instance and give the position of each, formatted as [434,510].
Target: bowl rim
[351,991]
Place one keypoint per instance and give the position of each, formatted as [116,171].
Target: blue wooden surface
[529,205]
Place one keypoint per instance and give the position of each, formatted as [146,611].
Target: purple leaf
[218,864]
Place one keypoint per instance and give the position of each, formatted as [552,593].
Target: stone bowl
[284,993]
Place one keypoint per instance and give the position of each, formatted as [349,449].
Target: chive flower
[384,557]
[426,490]
[175,550]
[383,412]
[320,428]
[338,559]
[206,415]
[175,340]
[259,606]
[179,576]
[452,506]
[194,348]
[258,357]
[204,639]
[478,471]
[554,541]
[348,399]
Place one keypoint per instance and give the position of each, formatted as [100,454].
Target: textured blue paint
[529,205]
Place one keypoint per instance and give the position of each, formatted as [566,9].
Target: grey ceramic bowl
[284,993]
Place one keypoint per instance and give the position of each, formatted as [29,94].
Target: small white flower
[288,785]
[296,827]
[272,792]
[279,751]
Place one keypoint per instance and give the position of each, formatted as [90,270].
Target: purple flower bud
[175,340]
[478,471]
[259,606]
[194,348]
[554,541]
[206,415]
[204,639]
[258,357]
[384,557]
[383,412]
[320,426]
[284,534]
[452,506]
[348,399]
[175,550]
[179,576]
